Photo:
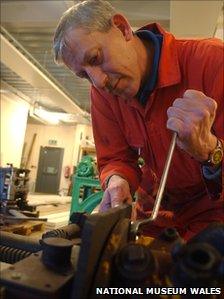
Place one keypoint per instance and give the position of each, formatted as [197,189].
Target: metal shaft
[164,177]
[162,185]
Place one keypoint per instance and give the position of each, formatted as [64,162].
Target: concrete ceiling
[28,26]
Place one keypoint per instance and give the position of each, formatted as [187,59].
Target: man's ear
[119,21]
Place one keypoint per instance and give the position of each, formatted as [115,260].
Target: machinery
[14,188]
[6,178]
[98,255]
[87,193]
[105,254]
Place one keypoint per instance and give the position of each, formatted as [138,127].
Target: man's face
[108,60]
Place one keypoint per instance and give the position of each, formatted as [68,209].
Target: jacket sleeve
[114,156]
[214,88]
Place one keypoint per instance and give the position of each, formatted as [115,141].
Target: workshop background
[48,172]
[45,120]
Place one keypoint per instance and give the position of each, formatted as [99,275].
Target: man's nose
[97,76]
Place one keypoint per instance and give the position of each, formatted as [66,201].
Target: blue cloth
[212,174]
[157,39]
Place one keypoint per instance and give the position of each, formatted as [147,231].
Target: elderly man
[145,86]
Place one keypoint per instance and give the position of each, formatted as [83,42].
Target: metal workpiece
[105,272]
[78,218]
[159,196]
[95,234]
[31,279]
[102,234]
[197,264]
[107,258]
[134,263]
[56,254]
[169,234]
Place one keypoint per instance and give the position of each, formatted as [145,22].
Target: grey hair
[91,15]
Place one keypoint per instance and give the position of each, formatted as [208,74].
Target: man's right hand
[117,192]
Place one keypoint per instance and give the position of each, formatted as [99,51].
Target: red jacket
[123,128]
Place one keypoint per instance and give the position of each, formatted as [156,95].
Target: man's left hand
[192,117]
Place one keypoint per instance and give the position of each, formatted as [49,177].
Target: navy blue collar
[148,86]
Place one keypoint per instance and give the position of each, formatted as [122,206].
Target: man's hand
[192,117]
[117,192]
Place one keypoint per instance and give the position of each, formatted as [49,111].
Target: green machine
[86,191]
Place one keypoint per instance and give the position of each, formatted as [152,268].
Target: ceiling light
[58,117]
[46,115]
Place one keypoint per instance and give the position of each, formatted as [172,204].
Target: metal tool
[138,223]
[22,218]
[17,215]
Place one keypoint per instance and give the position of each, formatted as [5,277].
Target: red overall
[123,130]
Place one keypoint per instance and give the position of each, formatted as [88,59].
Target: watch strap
[216,156]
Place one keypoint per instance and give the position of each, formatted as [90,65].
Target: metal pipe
[138,223]
[19,242]
[69,232]
[22,218]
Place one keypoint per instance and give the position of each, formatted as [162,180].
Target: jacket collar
[150,83]
[169,70]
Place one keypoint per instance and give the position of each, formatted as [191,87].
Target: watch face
[217,156]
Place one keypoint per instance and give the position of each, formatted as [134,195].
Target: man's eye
[83,75]
[93,60]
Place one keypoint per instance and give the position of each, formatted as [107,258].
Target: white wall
[14,114]
[196,18]
[65,137]
[219,33]
[82,131]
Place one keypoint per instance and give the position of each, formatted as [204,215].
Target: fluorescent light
[48,116]
[57,117]
[4,91]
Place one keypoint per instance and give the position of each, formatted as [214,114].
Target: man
[145,86]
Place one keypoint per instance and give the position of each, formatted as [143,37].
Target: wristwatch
[216,156]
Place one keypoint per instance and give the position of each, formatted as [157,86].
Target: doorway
[49,169]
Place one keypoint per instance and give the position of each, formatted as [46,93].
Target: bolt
[136,254]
